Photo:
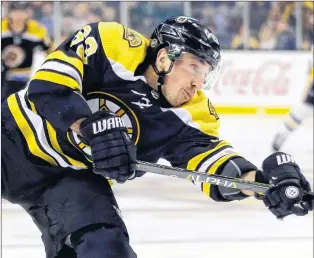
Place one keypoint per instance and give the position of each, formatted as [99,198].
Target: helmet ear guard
[161,74]
[173,53]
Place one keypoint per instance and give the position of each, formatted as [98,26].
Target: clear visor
[212,77]
[199,68]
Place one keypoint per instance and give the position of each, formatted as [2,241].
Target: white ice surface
[171,218]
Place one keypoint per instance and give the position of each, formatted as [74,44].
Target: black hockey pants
[62,201]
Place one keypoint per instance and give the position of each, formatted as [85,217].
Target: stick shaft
[203,177]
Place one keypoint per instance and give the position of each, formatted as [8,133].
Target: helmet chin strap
[161,80]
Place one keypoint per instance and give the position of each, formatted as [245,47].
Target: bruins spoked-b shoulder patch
[130,36]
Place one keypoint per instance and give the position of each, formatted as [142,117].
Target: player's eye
[194,68]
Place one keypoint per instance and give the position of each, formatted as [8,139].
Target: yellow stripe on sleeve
[76,62]
[57,78]
[32,105]
[53,139]
[83,145]
[213,169]
[69,139]
[195,161]
[27,131]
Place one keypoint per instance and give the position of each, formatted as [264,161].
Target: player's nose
[196,85]
[192,89]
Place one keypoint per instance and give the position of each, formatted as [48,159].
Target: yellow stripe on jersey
[36,29]
[123,45]
[57,78]
[40,31]
[75,62]
[213,169]
[54,142]
[27,131]
[4,25]
[69,139]
[32,106]
[82,145]
[33,28]
[21,71]
[195,161]
[199,110]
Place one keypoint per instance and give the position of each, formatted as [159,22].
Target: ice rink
[171,218]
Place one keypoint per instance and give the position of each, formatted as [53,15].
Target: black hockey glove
[286,197]
[113,152]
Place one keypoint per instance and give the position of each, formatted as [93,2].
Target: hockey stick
[206,178]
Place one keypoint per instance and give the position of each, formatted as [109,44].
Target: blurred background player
[304,109]
[20,38]
[297,115]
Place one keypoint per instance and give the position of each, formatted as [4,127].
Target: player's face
[185,79]
[18,15]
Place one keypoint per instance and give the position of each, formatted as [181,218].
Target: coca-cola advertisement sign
[261,78]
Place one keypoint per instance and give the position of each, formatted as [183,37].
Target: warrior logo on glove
[107,124]
[284,158]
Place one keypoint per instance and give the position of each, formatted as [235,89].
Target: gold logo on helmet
[181,19]
[133,39]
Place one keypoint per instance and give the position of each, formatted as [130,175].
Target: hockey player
[104,98]
[297,115]
[20,37]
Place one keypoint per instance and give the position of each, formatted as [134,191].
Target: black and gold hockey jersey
[17,49]
[95,69]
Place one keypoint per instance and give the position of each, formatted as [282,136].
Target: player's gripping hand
[113,152]
[286,197]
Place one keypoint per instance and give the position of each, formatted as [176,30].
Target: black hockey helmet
[186,34]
